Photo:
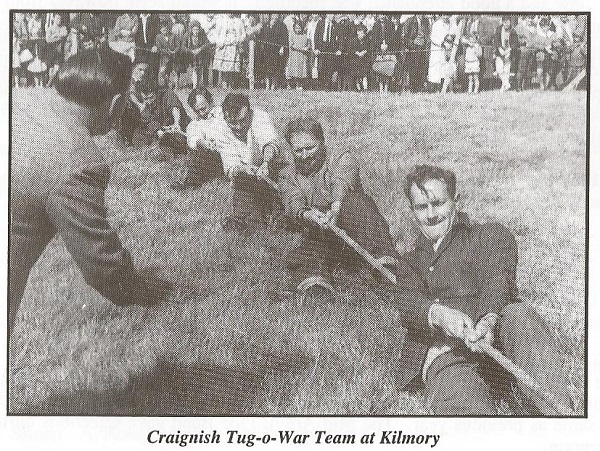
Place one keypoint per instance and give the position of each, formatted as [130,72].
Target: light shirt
[235,152]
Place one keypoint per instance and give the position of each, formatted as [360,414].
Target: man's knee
[457,389]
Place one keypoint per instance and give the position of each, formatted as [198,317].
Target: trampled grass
[223,346]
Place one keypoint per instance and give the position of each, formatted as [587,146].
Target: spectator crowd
[349,52]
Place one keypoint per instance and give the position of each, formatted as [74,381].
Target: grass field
[229,348]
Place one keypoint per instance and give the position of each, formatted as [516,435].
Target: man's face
[433,208]
[239,124]
[202,107]
[506,24]
[309,153]
[139,71]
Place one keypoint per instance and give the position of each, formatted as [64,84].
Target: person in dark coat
[381,37]
[59,176]
[416,40]
[345,31]
[457,292]
[145,42]
[358,49]
[326,47]
[273,52]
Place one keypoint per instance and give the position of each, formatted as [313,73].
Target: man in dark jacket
[145,48]
[468,297]
[326,47]
[416,39]
[58,178]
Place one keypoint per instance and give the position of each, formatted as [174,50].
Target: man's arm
[76,208]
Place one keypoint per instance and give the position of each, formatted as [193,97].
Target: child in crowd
[298,57]
[359,49]
[449,64]
[473,53]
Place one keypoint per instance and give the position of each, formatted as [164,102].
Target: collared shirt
[197,131]
[235,152]
[338,175]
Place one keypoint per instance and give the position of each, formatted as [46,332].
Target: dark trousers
[418,63]
[75,210]
[253,199]
[321,250]
[459,382]
[202,165]
[525,68]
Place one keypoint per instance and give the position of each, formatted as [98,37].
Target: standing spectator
[473,53]
[145,43]
[274,51]
[36,69]
[359,58]
[313,70]
[168,46]
[298,59]
[439,46]
[179,24]
[506,43]
[345,31]
[546,56]
[21,37]
[577,56]
[526,31]
[230,33]
[56,34]
[208,22]
[396,47]
[325,51]
[381,38]
[196,46]
[123,35]
[416,41]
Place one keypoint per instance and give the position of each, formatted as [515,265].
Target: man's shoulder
[491,233]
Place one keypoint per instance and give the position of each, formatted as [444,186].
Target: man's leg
[310,259]
[525,338]
[454,386]
[202,165]
[364,223]
[252,200]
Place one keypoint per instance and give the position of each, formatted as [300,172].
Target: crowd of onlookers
[384,52]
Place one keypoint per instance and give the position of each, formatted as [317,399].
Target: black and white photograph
[297,213]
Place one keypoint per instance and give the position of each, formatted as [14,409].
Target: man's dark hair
[420,174]
[234,103]
[304,125]
[93,76]
[201,91]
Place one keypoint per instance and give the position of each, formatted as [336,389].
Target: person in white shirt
[203,161]
[247,143]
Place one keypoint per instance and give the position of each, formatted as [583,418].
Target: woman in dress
[230,34]
[437,59]
[298,59]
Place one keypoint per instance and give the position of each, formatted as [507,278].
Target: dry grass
[520,160]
